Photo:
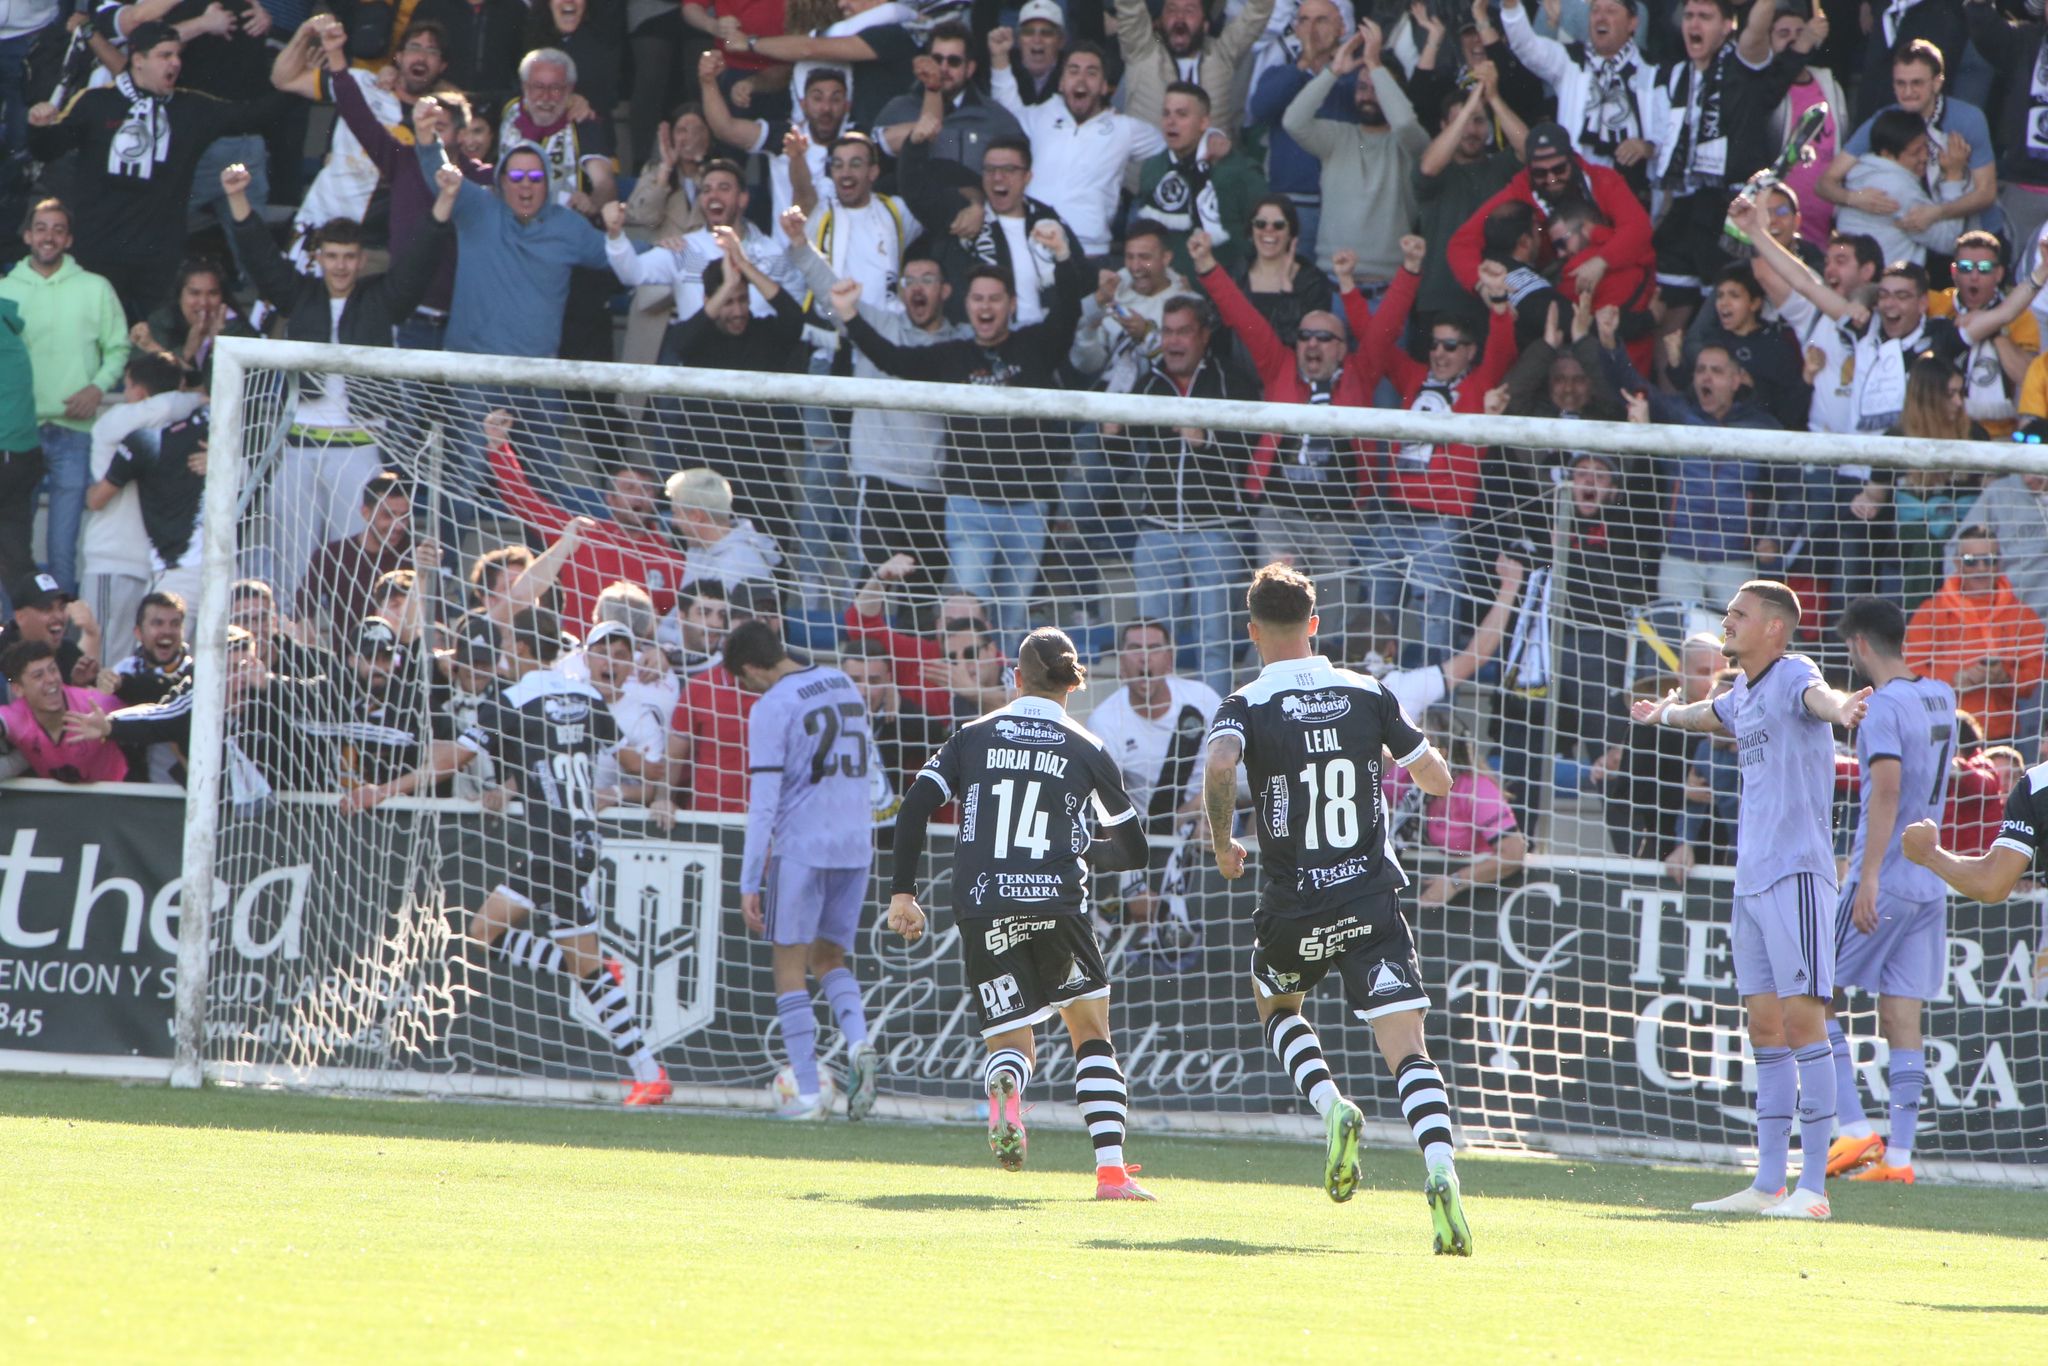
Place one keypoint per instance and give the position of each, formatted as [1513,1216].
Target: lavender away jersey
[807,766]
[1912,720]
[1787,755]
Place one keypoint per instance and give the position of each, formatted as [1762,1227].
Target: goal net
[391,544]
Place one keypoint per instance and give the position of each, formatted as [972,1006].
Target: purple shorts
[1906,955]
[803,904]
[1783,940]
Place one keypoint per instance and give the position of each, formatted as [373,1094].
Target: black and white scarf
[1700,158]
[1185,198]
[1612,115]
[2037,106]
[143,140]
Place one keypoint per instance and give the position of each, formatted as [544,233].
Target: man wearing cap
[1177,47]
[1081,147]
[1608,253]
[44,611]
[1041,38]
[1603,86]
[139,142]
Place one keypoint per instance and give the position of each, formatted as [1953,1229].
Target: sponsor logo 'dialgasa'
[1311,708]
[1025,731]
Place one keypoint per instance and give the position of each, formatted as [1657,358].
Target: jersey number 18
[1332,797]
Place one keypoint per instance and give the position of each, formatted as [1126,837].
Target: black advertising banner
[1584,1004]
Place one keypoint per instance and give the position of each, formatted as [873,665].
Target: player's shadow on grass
[1215,1247]
[1950,1218]
[929,1202]
[1981,1308]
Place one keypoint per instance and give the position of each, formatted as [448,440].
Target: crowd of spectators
[1546,210]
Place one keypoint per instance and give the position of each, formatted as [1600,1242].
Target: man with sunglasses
[1427,491]
[969,122]
[1997,364]
[1978,637]
[1304,488]
[1604,86]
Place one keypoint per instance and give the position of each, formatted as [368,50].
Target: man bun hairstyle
[1048,661]
[1281,595]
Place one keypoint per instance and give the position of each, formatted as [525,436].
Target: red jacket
[1631,259]
[1976,805]
[915,659]
[1279,371]
[713,716]
[1441,481]
[608,555]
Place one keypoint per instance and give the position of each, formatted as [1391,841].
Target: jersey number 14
[1030,824]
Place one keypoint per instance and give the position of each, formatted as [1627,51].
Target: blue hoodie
[512,278]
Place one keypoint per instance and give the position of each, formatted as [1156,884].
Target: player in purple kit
[1891,932]
[807,779]
[1779,712]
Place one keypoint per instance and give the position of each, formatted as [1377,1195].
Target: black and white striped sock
[616,1018]
[1006,1060]
[1300,1052]
[1426,1105]
[524,949]
[1105,1102]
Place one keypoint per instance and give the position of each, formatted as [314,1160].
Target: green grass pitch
[141,1224]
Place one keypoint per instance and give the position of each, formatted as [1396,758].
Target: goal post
[1583,996]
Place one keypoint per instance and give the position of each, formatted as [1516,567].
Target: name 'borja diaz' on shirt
[1024,777]
[1312,737]
[1787,759]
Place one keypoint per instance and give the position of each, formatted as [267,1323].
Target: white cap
[1048,10]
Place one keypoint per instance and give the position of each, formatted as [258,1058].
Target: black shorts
[1367,942]
[555,876]
[1025,968]
[1688,241]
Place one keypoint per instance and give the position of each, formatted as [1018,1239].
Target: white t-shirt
[866,244]
[325,403]
[113,540]
[1417,690]
[1023,265]
[1140,744]
[1078,168]
[1833,407]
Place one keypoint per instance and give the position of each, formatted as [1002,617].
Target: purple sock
[1777,1084]
[800,1038]
[1907,1071]
[1848,1103]
[1816,1113]
[842,993]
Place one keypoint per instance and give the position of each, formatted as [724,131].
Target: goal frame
[236,358]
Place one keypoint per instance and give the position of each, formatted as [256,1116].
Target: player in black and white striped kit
[1312,739]
[1025,776]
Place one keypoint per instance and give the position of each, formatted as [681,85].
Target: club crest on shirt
[1025,731]
[1312,708]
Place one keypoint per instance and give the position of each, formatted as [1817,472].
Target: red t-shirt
[609,555]
[713,714]
[762,19]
